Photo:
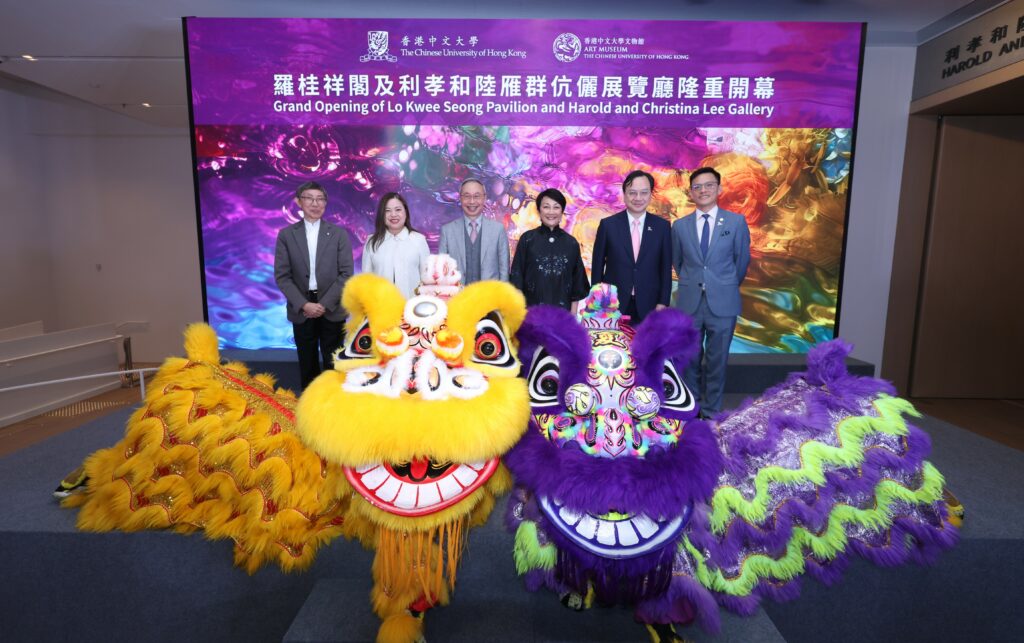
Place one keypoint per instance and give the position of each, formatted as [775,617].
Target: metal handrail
[9,361]
[142,380]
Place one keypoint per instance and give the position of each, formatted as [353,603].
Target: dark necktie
[705,237]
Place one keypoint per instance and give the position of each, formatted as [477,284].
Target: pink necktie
[472,231]
[636,239]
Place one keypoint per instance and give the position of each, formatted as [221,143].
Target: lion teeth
[429,495]
[406,497]
[389,490]
[606,532]
[569,516]
[645,526]
[627,537]
[587,527]
[448,487]
[375,478]
[465,475]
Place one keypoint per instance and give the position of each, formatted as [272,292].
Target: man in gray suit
[710,252]
[479,245]
[312,261]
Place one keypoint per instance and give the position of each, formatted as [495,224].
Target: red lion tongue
[418,468]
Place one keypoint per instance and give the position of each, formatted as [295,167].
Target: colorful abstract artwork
[786,169]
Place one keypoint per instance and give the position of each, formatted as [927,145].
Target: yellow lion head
[423,401]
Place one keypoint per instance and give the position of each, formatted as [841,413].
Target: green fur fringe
[529,553]
[825,546]
[728,502]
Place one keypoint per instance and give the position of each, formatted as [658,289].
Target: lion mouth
[613,535]
[418,487]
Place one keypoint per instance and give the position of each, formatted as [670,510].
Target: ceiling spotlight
[28,57]
[146,105]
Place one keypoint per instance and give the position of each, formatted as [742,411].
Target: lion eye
[677,397]
[491,346]
[543,380]
[360,344]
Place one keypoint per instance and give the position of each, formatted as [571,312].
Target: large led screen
[370,106]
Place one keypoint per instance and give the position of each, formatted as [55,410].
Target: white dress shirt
[712,219]
[642,219]
[399,259]
[312,232]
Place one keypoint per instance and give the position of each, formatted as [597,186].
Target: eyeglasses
[313,199]
[698,187]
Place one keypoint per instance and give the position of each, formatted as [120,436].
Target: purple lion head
[614,454]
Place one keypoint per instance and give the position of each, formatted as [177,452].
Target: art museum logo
[377,47]
[567,47]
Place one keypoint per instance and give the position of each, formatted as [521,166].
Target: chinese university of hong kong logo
[377,42]
[567,47]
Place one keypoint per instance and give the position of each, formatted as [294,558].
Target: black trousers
[319,335]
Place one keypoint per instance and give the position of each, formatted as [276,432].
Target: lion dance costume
[399,446]
[623,496]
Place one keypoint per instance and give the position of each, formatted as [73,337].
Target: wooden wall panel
[969,340]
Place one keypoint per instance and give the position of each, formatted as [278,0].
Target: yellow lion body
[216,449]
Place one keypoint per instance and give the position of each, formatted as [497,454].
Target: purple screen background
[787,172]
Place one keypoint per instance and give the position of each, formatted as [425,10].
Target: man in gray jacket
[312,261]
[479,245]
[710,252]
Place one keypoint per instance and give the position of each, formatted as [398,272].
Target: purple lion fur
[555,329]
[806,406]
[663,335]
[684,602]
[661,484]
[841,485]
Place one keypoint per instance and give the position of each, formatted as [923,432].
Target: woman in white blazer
[395,251]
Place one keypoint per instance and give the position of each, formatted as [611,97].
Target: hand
[660,307]
[311,310]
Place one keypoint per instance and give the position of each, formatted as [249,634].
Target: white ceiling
[119,54]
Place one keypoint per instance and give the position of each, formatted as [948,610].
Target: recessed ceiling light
[146,105]
[28,57]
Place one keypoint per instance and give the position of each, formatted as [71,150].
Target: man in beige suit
[312,261]
[478,245]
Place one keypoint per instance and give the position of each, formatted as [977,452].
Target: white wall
[26,285]
[112,210]
[874,204]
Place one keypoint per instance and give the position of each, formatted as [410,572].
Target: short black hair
[636,174]
[310,185]
[554,195]
[706,170]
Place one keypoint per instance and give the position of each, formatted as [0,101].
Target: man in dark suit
[633,251]
[312,261]
[710,252]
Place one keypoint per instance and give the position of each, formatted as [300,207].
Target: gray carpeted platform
[59,584]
